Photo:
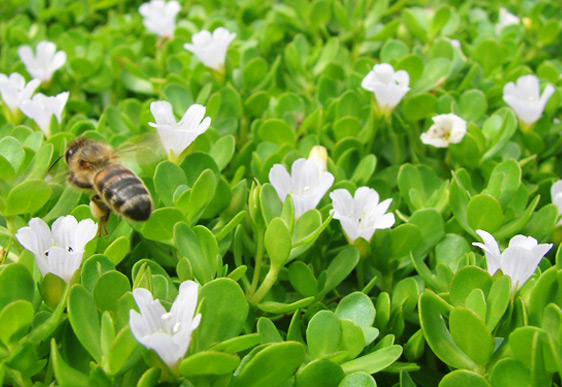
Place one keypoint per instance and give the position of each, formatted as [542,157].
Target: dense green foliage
[288,301]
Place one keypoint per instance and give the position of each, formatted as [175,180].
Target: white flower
[306,184]
[319,155]
[446,129]
[42,65]
[556,196]
[59,250]
[362,214]
[14,90]
[167,333]
[389,86]
[211,49]
[505,19]
[525,99]
[40,109]
[160,16]
[177,136]
[519,261]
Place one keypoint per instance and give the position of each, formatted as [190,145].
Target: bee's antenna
[54,162]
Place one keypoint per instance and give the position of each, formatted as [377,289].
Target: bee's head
[73,148]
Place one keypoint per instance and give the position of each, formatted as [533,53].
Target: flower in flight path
[160,16]
[361,215]
[57,250]
[45,62]
[505,19]
[167,333]
[525,99]
[306,184]
[389,86]
[446,129]
[40,109]
[14,90]
[211,49]
[518,261]
[177,136]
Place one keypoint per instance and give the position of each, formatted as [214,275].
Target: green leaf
[109,288]
[437,336]
[302,279]
[465,281]
[358,379]
[65,374]
[15,319]
[375,361]
[179,97]
[338,270]
[117,250]
[268,331]
[27,197]
[471,335]
[160,225]
[435,72]
[209,363]
[223,150]
[277,242]
[486,53]
[11,150]
[202,193]
[277,132]
[321,373]
[167,177]
[358,308]
[510,372]
[279,307]
[419,106]
[238,344]
[16,283]
[473,105]
[497,301]
[189,246]
[272,365]
[323,334]
[85,320]
[484,212]
[463,378]
[124,349]
[224,311]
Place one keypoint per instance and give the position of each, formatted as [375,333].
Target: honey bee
[94,165]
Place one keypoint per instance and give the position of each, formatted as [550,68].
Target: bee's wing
[142,149]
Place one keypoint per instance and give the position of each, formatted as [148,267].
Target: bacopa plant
[342,193]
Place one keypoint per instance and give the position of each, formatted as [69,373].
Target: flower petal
[162,112]
[280,180]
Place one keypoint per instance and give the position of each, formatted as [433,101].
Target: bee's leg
[99,210]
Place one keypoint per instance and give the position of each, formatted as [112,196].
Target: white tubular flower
[160,16]
[14,90]
[46,61]
[556,196]
[519,261]
[40,109]
[525,99]
[306,184]
[389,86]
[505,19]
[59,250]
[362,214]
[177,136]
[167,333]
[211,49]
[446,129]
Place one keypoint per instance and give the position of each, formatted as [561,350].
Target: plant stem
[266,285]
[258,263]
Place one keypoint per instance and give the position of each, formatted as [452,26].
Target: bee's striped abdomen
[123,192]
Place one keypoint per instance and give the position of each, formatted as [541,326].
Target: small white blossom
[160,16]
[518,261]
[389,86]
[167,333]
[362,214]
[40,109]
[177,136]
[60,249]
[505,19]
[525,99]
[46,61]
[211,49]
[14,90]
[446,129]
[319,155]
[306,184]
[556,196]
